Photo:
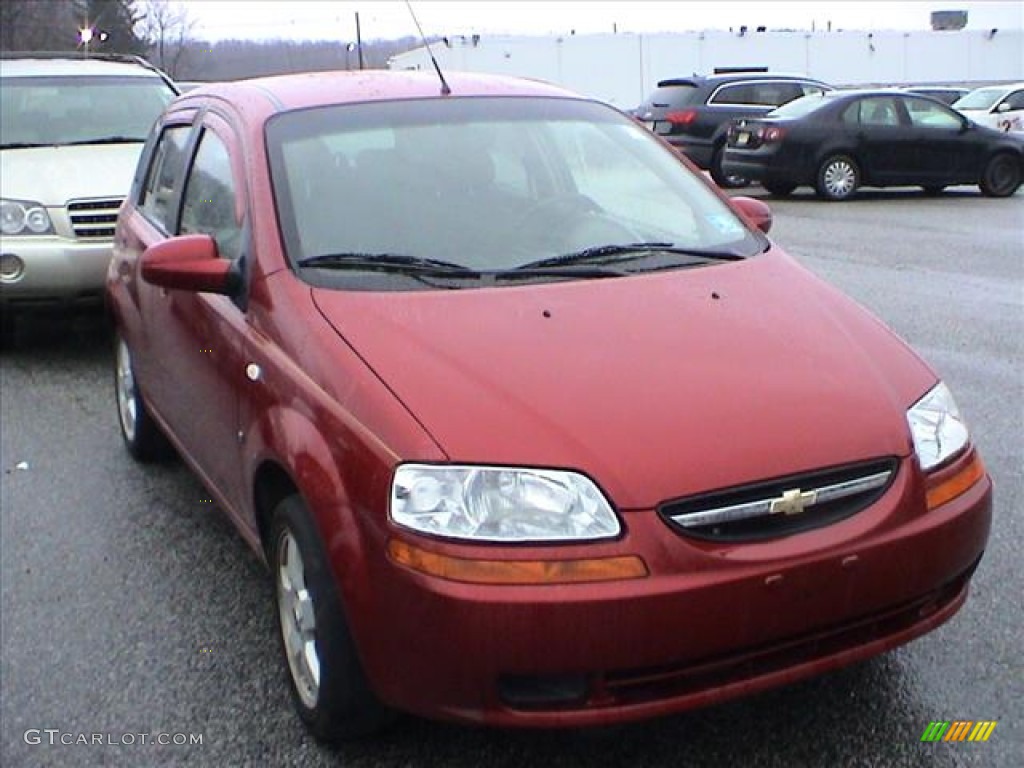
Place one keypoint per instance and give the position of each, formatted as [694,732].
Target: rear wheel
[778,188]
[1001,177]
[328,684]
[722,179]
[838,178]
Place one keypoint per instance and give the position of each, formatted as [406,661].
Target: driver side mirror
[189,263]
[755,211]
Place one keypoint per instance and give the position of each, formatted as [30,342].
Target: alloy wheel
[127,403]
[297,615]
[840,178]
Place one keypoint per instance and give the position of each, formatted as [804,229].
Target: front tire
[142,437]
[838,178]
[328,684]
[1001,177]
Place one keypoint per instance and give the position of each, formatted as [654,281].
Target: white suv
[71,130]
[995,106]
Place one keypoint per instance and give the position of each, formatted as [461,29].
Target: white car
[995,106]
[71,130]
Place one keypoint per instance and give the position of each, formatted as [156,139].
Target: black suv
[693,113]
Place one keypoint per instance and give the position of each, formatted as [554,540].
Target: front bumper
[710,622]
[52,271]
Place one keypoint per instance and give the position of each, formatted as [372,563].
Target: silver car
[71,130]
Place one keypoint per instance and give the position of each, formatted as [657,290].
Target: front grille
[94,219]
[782,506]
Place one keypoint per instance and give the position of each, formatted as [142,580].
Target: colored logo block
[958,730]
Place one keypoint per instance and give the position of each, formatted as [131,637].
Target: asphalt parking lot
[130,606]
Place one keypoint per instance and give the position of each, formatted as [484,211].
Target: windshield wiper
[388,262]
[418,265]
[625,251]
[26,145]
[565,270]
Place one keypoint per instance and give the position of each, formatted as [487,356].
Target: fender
[295,443]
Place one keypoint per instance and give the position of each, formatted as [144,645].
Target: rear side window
[168,161]
[741,93]
[874,110]
[775,94]
[811,89]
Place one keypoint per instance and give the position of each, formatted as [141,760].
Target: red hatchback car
[532,425]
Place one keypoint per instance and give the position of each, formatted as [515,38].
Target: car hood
[656,386]
[54,175]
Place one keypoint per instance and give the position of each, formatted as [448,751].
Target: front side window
[1012,102]
[157,197]
[79,110]
[488,184]
[928,114]
[209,202]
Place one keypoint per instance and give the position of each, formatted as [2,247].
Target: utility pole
[359,41]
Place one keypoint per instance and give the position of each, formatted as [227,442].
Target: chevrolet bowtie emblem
[793,502]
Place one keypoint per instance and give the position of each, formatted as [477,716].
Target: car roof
[284,93]
[1007,87]
[730,77]
[859,92]
[74,66]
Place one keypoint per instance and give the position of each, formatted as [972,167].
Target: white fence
[621,69]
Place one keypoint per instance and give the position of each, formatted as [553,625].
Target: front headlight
[23,217]
[938,429]
[500,504]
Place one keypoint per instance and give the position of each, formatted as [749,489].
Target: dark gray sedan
[840,141]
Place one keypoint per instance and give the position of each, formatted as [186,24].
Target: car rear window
[675,94]
[802,106]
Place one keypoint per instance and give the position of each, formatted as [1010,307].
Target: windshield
[79,110]
[984,98]
[487,184]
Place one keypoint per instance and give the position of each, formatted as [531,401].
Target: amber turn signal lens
[517,571]
[948,488]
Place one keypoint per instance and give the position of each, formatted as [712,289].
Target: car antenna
[445,90]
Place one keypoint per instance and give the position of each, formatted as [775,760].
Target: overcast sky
[386,19]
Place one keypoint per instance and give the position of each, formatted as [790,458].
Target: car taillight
[682,117]
[773,133]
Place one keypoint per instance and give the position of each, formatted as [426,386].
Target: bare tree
[167,28]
